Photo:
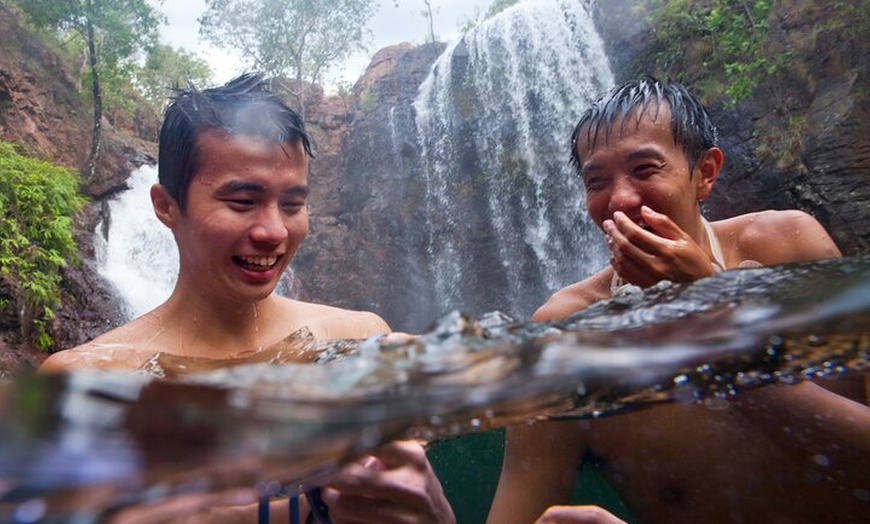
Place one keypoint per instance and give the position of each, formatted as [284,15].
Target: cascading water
[138,254]
[494,120]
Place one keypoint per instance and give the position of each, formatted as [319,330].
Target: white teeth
[260,261]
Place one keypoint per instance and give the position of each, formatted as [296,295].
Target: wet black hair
[691,126]
[243,106]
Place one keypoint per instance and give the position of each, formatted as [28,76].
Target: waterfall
[138,254]
[494,118]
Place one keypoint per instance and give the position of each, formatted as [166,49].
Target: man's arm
[575,297]
[540,460]
[540,463]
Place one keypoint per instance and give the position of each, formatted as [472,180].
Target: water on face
[87,443]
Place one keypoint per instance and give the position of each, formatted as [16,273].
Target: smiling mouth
[256,263]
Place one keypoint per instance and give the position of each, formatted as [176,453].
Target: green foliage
[121,28]
[112,33]
[166,68]
[296,38]
[731,39]
[38,202]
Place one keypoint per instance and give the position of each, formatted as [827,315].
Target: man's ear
[707,170]
[165,207]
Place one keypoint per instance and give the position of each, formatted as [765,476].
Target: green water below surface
[469,467]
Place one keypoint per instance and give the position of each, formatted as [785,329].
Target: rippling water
[86,443]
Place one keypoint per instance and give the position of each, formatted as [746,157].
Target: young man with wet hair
[647,155]
[233,189]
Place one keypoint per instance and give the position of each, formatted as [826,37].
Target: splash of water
[125,438]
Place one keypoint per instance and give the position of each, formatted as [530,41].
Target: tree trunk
[96,135]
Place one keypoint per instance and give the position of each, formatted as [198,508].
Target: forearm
[539,468]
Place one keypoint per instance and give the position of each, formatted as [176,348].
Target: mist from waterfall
[498,108]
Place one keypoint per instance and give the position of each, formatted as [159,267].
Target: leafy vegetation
[167,67]
[731,40]
[38,203]
[112,33]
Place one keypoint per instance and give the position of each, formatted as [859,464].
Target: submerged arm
[540,463]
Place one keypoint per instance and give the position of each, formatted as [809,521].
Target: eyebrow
[237,186]
[644,152]
[647,152]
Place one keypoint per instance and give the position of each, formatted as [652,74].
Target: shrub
[37,204]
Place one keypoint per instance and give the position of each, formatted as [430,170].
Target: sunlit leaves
[730,38]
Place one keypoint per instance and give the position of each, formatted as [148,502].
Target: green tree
[113,32]
[37,205]
[167,67]
[732,39]
[296,38]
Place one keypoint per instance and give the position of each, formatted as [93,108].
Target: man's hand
[645,257]
[394,485]
[578,515]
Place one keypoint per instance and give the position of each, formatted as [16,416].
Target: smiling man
[647,156]
[233,188]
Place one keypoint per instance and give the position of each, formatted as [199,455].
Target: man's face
[246,215]
[639,164]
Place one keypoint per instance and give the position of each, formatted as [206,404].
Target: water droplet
[716,403]
[822,460]
[30,511]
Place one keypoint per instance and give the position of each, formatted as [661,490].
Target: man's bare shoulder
[120,348]
[775,237]
[575,297]
[330,322]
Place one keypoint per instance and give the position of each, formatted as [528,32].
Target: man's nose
[269,226]
[623,196]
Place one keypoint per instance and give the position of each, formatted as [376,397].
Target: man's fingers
[578,515]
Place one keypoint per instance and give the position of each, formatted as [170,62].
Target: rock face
[357,249]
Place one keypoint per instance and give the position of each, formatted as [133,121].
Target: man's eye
[239,203]
[292,206]
[594,182]
[646,169]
